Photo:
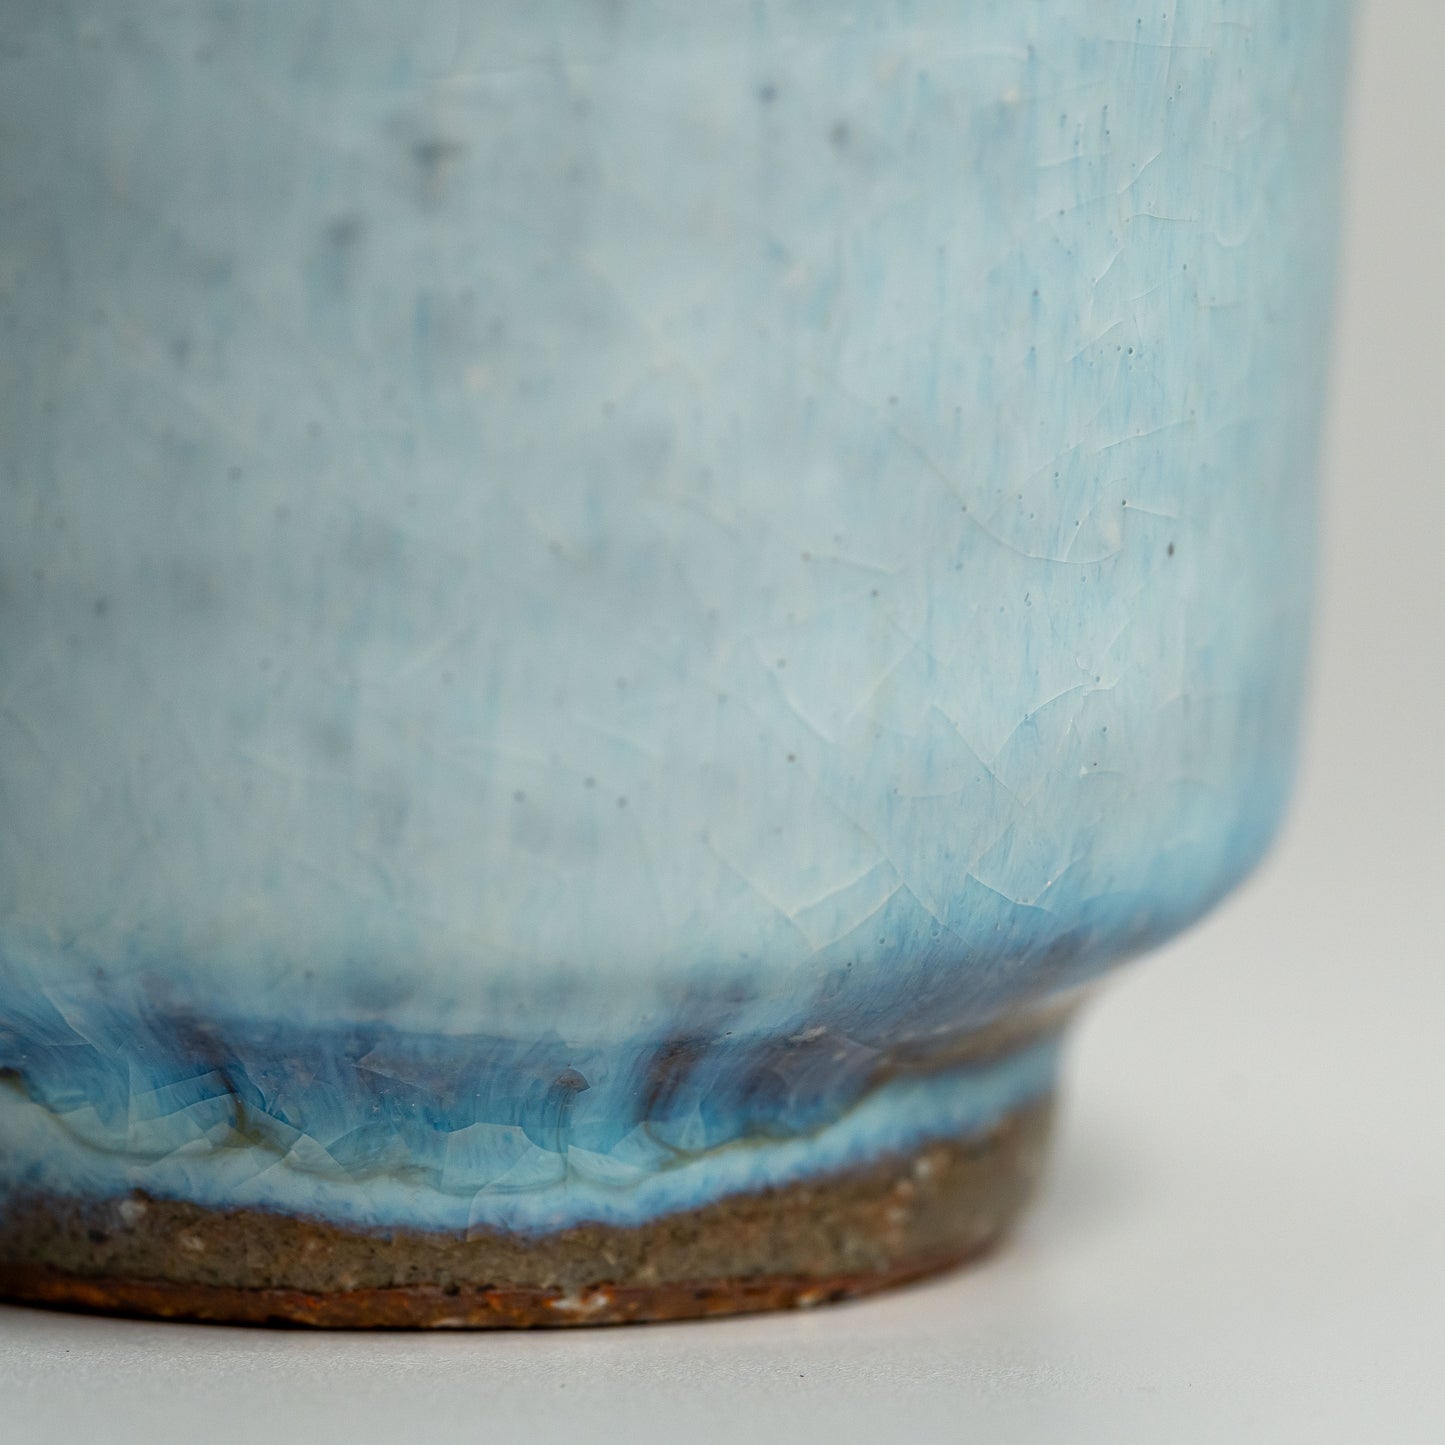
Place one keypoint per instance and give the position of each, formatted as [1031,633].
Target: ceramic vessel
[607,612]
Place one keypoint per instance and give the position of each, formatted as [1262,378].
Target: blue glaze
[528,1143]
[549,530]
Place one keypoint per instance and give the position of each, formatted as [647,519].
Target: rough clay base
[815,1241]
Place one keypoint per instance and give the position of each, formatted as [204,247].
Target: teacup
[609,612]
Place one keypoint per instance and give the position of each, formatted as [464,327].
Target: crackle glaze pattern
[546,547]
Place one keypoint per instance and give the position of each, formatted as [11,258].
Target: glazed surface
[581,527]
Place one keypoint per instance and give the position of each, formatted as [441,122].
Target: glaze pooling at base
[372,1128]
[624,524]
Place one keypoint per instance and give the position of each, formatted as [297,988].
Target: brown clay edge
[417,1307]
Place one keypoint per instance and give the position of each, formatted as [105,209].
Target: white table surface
[1243,1238]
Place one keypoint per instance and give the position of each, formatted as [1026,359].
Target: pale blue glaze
[570,526]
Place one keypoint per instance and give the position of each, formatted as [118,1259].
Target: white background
[1244,1234]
